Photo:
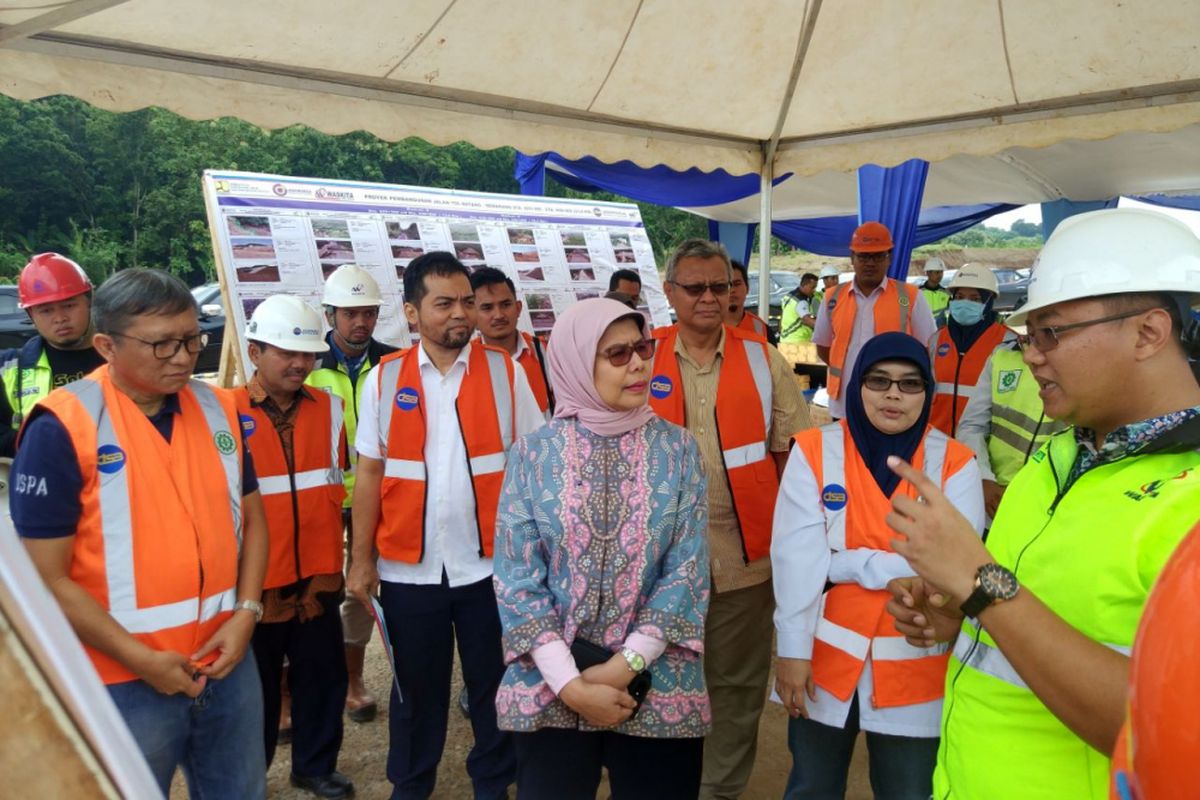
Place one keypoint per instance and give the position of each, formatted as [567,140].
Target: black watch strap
[974,605]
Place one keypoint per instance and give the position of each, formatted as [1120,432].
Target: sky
[1033,213]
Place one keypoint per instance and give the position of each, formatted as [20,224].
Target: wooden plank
[230,372]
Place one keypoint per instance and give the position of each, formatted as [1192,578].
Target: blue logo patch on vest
[110,459]
[407,398]
[248,424]
[834,497]
[943,349]
[661,386]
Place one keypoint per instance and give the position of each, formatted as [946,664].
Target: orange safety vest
[957,374]
[532,361]
[744,387]
[486,407]
[893,312]
[160,531]
[753,323]
[303,501]
[854,622]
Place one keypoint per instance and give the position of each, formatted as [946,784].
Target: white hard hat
[934,264]
[974,276]
[1113,251]
[829,271]
[351,286]
[288,323]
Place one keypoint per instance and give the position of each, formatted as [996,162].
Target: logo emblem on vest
[1008,380]
[110,459]
[661,386]
[225,442]
[833,497]
[943,349]
[1150,490]
[407,399]
[248,424]
[903,299]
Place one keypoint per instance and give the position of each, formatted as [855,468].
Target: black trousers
[560,764]
[317,681]
[423,623]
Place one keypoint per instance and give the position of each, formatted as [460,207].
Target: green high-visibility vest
[939,302]
[1019,426]
[336,381]
[1090,552]
[791,326]
[25,386]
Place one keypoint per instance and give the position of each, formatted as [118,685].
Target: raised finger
[920,481]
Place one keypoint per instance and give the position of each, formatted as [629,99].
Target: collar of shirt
[1127,440]
[681,351]
[170,406]
[351,362]
[463,357]
[260,397]
[877,290]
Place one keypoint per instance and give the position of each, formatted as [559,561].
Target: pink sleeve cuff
[554,661]
[645,646]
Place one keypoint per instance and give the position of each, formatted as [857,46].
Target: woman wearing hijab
[963,347]
[601,575]
[842,666]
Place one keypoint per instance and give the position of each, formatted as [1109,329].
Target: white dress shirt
[801,560]
[450,527]
[924,329]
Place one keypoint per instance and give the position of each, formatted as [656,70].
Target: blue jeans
[217,737]
[901,766]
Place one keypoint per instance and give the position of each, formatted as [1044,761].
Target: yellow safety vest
[1019,425]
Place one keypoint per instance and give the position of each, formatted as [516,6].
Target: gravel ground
[364,753]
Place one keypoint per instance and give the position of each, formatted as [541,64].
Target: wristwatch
[993,584]
[633,659]
[251,605]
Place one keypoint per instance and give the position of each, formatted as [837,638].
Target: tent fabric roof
[686,83]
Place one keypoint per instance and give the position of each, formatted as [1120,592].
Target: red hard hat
[48,278]
[1157,752]
[871,237]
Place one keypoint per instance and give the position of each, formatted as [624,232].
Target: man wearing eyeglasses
[736,395]
[1043,617]
[138,504]
[872,303]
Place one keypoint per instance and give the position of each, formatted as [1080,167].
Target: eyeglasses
[620,354]
[167,348]
[1045,338]
[883,256]
[718,288]
[881,383]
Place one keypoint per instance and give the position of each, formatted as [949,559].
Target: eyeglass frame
[1024,340]
[180,344]
[710,286]
[897,381]
[611,356]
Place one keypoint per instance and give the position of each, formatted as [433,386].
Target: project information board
[276,234]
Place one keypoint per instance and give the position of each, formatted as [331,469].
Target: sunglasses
[620,354]
[1045,338]
[881,383]
[718,288]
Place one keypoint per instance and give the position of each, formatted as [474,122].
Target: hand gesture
[231,641]
[171,673]
[602,706]
[923,613]
[794,680]
[363,581]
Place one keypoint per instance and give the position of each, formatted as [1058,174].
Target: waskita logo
[279,189]
[661,386]
[407,399]
[334,194]
[834,497]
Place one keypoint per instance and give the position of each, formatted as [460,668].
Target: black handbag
[588,655]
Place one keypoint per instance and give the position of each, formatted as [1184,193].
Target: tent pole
[764,230]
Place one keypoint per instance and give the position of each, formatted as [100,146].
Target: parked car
[212,322]
[16,327]
[782,282]
[1014,287]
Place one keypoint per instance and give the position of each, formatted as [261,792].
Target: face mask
[966,312]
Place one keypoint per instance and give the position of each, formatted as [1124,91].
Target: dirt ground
[364,753]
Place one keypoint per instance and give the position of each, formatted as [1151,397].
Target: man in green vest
[351,302]
[1042,618]
[799,311]
[936,295]
[57,295]
[1004,422]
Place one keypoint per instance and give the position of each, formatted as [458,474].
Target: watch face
[998,582]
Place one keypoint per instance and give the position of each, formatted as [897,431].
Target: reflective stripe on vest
[747,463]
[25,387]
[981,656]
[1018,426]
[957,374]
[118,529]
[531,363]
[888,317]
[400,535]
[752,323]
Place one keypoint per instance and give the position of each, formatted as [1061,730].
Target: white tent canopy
[1013,100]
